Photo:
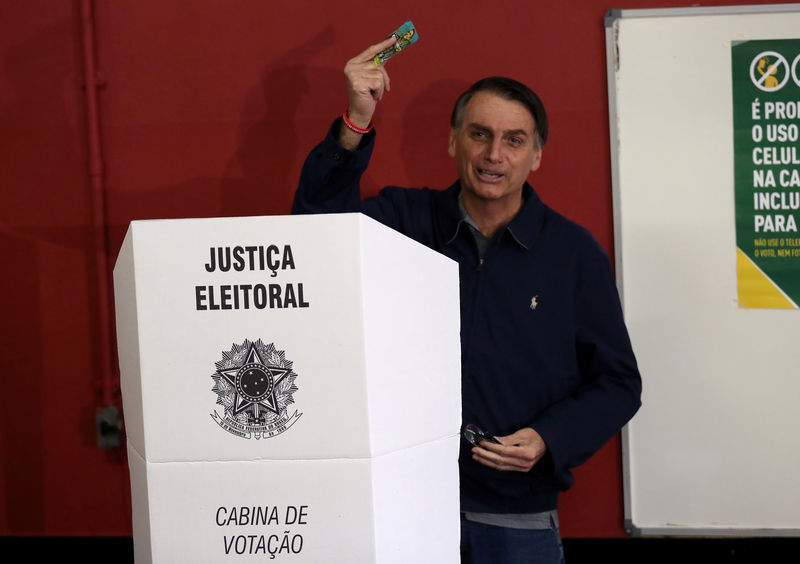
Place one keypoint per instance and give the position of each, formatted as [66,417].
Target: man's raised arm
[329,181]
[366,83]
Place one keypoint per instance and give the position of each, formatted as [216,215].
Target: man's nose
[493,151]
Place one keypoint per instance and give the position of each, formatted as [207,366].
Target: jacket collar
[523,229]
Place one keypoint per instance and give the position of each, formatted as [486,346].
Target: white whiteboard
[715,448]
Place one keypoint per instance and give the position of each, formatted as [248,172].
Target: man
[547,365]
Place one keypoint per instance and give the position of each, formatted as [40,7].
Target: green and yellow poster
[766,128]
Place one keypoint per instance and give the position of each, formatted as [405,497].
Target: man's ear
[537,160]
[451,146]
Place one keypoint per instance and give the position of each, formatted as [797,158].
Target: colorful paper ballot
[406,35]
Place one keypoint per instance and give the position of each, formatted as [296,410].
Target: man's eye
[515,140]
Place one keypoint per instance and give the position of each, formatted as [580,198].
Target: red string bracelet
[353,127]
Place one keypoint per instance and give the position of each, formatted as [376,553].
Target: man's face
[494,148]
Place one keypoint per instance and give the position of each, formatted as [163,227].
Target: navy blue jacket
[543,341]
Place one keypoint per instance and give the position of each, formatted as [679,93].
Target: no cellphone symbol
[769,71]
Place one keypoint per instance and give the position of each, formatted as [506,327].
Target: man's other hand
[519,452]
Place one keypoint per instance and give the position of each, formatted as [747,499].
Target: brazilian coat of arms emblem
[254,384]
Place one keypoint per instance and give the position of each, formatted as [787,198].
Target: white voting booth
[291,391]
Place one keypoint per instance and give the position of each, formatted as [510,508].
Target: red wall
[208,109]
